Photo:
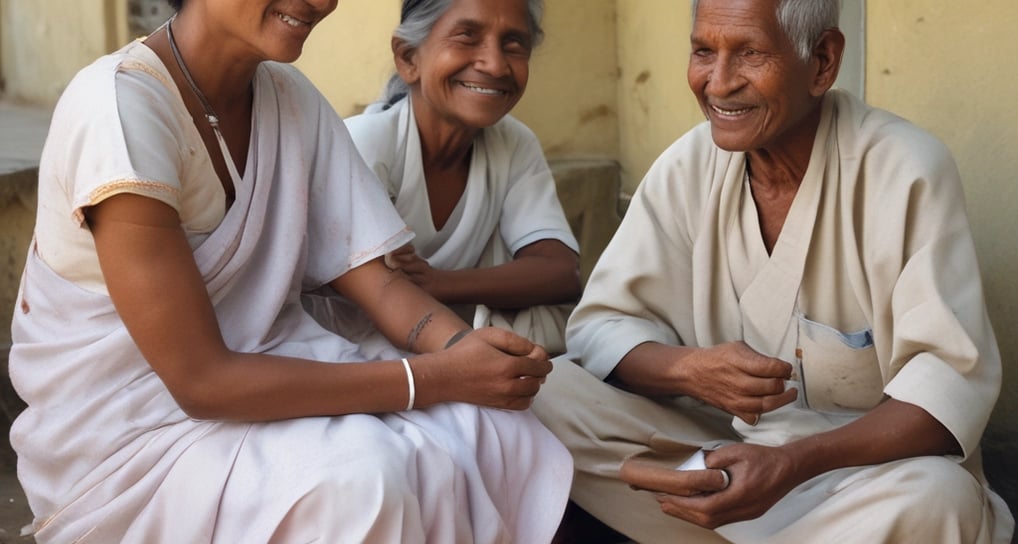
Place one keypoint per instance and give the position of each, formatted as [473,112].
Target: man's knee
[937,488]
[558,405]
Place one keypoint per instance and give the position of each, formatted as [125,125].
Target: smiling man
[794,290]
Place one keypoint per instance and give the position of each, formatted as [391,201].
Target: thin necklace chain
[210,114]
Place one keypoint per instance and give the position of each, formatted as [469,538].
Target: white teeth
[482,90]
[290,20]
[729,112]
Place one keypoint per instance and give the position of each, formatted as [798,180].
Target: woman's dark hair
[418,17]
[175,4]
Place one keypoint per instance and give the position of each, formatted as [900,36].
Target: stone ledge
[24,133]
[589,192]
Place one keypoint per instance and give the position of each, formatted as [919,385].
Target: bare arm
[157,290]
[544,272]
[422,325]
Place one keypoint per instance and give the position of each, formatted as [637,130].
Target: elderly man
[794,291]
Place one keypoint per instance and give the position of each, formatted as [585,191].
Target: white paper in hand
[695,462]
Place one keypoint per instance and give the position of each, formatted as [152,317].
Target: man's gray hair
[416,27]
[803,22]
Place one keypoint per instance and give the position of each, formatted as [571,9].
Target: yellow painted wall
[571,97]
[571,101]
[348,55]
[655,104]
[47,41]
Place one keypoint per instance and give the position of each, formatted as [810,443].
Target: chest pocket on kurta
[839,371]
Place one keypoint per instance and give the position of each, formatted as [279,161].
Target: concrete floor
[14,512]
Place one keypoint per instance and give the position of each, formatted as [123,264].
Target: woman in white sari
[470,181]
[176,390]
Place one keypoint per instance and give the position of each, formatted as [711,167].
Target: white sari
[106,454]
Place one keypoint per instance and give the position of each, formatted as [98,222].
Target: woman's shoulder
[100,93]
[100,77]
[376,121]
[378,133]
[511,137]
[289,81]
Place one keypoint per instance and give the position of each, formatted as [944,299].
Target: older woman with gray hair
[471,182]
[790,319]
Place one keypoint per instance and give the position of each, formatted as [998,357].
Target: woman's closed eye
[517,46]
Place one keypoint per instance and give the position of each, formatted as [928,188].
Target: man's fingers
[684,483]
[773,402]
[751,408]
[760,365]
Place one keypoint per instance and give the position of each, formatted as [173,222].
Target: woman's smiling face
[473,67]
[266,30]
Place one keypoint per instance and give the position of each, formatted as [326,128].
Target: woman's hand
[488,367]
[415,268]
[544,272]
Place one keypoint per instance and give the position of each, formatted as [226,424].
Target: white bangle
[410,384]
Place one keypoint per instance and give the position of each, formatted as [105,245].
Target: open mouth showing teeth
[483,90]
[291,21]
[730,113]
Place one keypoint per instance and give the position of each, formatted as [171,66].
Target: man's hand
[759,477]
[738,380]
[729,376]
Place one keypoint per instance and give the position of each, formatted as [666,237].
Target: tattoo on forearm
[457,337]
[411,339]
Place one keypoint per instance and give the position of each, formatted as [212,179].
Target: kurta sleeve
[350,218]
[106,139]
[641,288]
[531,210]
[941,347]
[118,146]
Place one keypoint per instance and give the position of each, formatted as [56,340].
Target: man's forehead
[759,9]
[726,16]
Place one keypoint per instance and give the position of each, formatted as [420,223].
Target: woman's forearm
[546,272]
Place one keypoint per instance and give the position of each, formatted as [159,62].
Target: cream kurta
[509,202]
[104,452]
[872,289]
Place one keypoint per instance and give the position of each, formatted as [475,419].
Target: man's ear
[827,60]
[405,58]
